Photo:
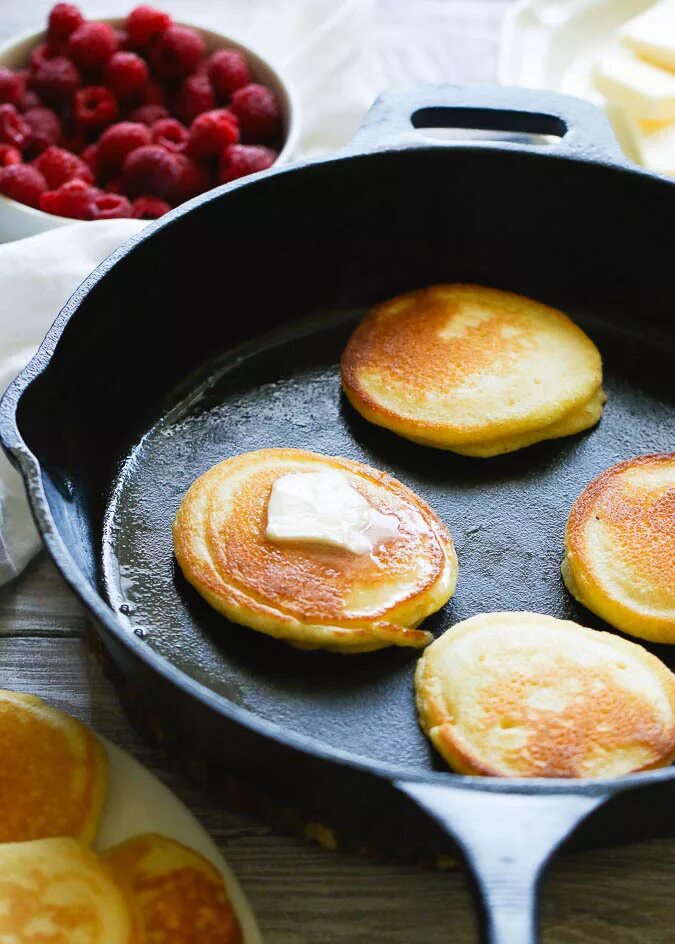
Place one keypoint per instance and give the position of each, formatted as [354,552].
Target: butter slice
[654,144]
[639,87]
[652,34]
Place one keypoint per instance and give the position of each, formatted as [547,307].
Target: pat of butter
[642,89]
[324,508]
[654,144]
[652,34]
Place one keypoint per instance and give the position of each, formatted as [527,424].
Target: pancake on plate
[526,695]
[179,896]
[53,773]
[55,891]
[620,547]
[473,369]
[322,552]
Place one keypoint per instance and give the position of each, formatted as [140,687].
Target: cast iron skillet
[219,330]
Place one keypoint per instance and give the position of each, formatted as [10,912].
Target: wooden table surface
[302,893]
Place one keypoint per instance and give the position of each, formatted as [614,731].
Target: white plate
[139,803]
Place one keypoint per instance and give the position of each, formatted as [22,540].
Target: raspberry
[176,52]
[111,206]
[22,182]
[118,141]
[12,86]
[212,131]
[63,20]
[148,114]
[228,71]
[149,208]
[60,166]
[154,93]
[126,74]
[9,155]
[90,158]
[13,128]
[94,107]
[45,128]
[116,185]
[258,112]
[30,100]
[194,96]
[238,160]
[75,200]
[193,179]
[123,41]
[169,134]
[151,170]
[56,80]
[43,52]
[92,44]
[73,139]
[144,24]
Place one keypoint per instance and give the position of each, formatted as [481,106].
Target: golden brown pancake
[53,773]
[526,695]
[473,369]
[55,891]
[620,547]
[180,897]
[312,595]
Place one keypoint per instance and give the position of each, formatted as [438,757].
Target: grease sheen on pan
[472,369]
[526,695]
[311,595]
[620,547]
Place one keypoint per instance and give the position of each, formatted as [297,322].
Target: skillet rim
[30,470]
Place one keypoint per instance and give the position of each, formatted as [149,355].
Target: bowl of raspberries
[130,117]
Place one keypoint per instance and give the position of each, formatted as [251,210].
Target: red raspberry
[151,170]
[170,134]
[13,128]
[74,139]
[45,128]
[59,166]
[43,52]
[144,24]
[154,93]
[90,158]
[212,131]
[238,160]
[116,185]
[92,44]
[194,96]
[111,206]
[56,80]
[118,141]
[75,200]
[22,182]
[149,208]
[94,107]
[176,52]
[126,74]
[194,179]
[148,114]
[258,112]
[63,20]
[9,155]
[12,86]
[30,100]
[228,71]
[123,41]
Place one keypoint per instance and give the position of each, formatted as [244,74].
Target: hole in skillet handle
[480,124]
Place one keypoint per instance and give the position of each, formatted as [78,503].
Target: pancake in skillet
[526,695]
[620,547]
[309,593]
[53,772]
[55,891]
[179,896]
[472,369]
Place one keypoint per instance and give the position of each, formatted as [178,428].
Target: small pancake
[472,369]
[526,695]
[55,891]
[620,547]
[179,896]
[53,774]
[310,594]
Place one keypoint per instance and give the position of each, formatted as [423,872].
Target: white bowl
[18,220]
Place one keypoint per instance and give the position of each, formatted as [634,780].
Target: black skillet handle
[506,838]
[579,128]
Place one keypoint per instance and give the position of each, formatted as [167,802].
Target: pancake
[53,774]
[472,369]
[179,896]
[55,891]
[620,547]
[310,594]
[526,695]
